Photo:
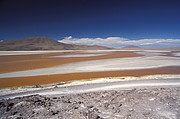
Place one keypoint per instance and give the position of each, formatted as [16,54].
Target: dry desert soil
[160,102]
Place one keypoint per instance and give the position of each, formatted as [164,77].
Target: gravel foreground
[156,103]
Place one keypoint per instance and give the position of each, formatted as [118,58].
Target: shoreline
[95,83]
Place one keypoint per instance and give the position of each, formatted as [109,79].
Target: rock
[93,116]
[113,104]
[14,113]
[106,105]
[131,109]
[2,104]
[19,118]
[55,86]
[91,106]
[9,106]
[96,109]
[54,112]
[120,105]
[75,107]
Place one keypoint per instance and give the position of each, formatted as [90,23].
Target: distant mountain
[43,43]
[131,46]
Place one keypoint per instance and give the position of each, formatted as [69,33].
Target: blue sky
[57,19]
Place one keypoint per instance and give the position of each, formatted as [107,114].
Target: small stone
[19,118]
[120,105]
[75,107]
[131,109]
[90,106]
[9,106]
[14,113]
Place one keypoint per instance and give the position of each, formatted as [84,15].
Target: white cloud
[70,37]
[118,42]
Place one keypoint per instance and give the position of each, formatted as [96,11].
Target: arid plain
[23,68]
[90,84]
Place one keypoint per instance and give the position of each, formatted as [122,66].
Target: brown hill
[43,43]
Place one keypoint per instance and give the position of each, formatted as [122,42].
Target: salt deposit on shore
[90,81]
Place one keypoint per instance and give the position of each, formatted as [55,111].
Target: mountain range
[43,43]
